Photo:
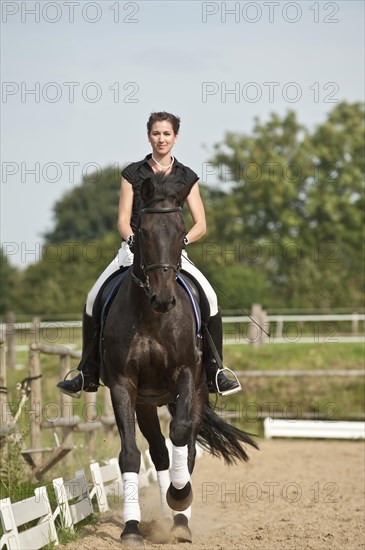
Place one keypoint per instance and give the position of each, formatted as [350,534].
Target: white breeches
[125,258]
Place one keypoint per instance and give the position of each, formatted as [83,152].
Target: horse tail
[222,439]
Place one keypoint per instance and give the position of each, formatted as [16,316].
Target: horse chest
[150,351]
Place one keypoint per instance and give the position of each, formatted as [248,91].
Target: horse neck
[137,269]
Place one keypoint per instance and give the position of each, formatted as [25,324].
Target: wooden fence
[67,423]
[66,420]
[40,412]
[40,458]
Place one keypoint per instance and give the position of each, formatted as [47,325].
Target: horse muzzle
[162,304]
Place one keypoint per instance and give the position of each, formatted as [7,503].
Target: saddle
[108,291]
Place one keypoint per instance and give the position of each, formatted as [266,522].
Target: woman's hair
[162,115]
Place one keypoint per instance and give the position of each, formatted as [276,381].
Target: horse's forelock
[165,187]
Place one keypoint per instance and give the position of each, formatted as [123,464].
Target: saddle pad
[194,303]
[116,282]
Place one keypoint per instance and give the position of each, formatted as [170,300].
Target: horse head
[159,239]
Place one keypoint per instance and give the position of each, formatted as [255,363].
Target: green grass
[330,398]
[295,356]
[333,398]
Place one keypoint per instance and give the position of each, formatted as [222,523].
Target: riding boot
[89,364]
[220,383]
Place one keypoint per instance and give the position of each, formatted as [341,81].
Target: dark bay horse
[152,357]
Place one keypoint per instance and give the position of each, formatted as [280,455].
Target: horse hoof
[131,537]
[131,540]
[179,499]
[180,531]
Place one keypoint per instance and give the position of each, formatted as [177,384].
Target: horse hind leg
[179,495]
[180,531]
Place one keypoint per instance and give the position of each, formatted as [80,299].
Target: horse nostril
[164,305]
[171,304]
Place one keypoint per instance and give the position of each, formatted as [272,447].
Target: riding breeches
[124,258]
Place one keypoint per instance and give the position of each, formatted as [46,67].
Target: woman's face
[162,137]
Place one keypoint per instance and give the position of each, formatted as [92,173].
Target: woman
[163,129]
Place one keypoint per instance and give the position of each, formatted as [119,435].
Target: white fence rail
[277,329]
[353,317]
[322,429]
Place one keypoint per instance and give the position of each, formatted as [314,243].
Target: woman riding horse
[163,129]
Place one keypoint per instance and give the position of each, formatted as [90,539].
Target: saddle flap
[107,293]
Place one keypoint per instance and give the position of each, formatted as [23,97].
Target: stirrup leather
[227,392]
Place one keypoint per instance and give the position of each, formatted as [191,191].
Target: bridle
[148,267]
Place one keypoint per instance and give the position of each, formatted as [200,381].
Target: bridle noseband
[146,268]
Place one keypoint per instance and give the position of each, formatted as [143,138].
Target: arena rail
[313,429]
[282,329]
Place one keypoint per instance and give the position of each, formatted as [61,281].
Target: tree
[88,211]
[10,278]
[298,197]
[58,284]
[284,226]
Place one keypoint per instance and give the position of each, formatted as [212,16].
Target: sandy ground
[291,495]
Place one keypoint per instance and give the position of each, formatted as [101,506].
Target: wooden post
[10,340]
[355,324]
[254,332]
[66,409]
[6,418]
[279,328]
[35,403]
[34,331]
[265,325]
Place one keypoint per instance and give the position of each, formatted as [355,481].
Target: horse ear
[147,191]
[184,192]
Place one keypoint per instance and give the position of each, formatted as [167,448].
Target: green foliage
[88,211]
[13,470]
[284,225]
[60,281]
[9,284]
[298,197]
[330,398]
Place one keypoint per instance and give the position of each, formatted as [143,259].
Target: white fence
[237,329]
[319,429]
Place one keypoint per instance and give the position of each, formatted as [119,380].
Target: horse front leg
[179,495]
[123,398]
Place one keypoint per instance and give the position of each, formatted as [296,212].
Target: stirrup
[77,394]
[227,392]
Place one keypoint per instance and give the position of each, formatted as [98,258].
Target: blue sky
[123,60]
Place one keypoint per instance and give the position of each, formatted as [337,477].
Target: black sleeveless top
[136,172]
